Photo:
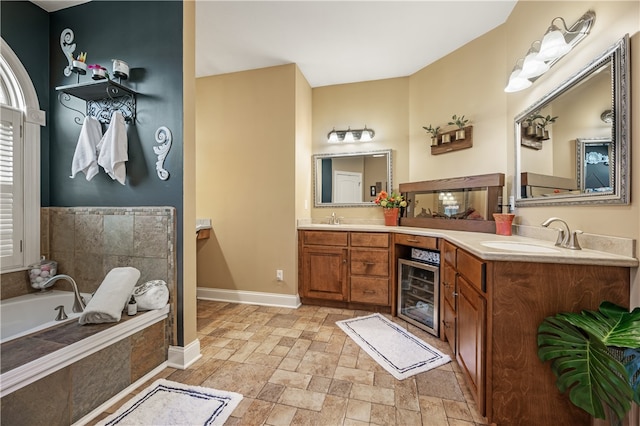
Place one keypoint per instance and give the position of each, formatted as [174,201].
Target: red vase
[503,223]
[390,216]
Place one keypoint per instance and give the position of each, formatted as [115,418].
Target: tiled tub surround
[74,369]
[87,242]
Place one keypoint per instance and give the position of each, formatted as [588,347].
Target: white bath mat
[399,352]
[171,403]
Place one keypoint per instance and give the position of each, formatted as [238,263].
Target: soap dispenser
[132,307]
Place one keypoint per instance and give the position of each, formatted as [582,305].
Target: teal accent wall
[148,36]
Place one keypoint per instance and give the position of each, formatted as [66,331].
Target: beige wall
[246,177]
[382,105]
[469,82]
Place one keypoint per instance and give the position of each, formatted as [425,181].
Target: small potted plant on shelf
[530,124]
[460,122]
[596,357]
[434,133]
[544,122]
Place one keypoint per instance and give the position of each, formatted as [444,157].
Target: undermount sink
[518,246]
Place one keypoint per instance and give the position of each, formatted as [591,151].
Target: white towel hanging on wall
[113,148]
[85,158]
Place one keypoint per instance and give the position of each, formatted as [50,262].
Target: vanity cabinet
[464,314]
[324,265]
[492,310]
[345,269]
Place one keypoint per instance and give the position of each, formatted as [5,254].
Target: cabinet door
[449,296]
[325,273]
[470,343]
[449,325]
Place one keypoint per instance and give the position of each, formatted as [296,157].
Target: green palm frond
[577,344]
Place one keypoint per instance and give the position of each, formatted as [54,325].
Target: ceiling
[333,42]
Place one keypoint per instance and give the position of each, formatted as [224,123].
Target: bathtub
[23,309]
[33,312]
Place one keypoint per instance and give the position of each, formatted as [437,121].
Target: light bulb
[553,45]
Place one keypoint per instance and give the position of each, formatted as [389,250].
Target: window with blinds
[11,188]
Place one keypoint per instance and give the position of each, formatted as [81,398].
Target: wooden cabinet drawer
[472,268]
[370,262]
[326,238]
[369,239]
[370,290]
[448,253]
[417,241]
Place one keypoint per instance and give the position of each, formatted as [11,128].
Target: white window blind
[11,188]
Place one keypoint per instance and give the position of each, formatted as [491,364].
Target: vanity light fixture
[516,81]
[533,66]
[554,45]
[350,135]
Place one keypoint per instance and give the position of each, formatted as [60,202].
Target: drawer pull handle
[368,263]
[369,291]
[411,240]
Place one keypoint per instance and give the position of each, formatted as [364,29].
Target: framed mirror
[351,179]
[587,113]
[593,165]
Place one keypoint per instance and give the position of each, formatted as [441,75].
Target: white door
[347,187]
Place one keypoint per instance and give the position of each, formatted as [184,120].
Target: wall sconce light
[544,54]
[350,135]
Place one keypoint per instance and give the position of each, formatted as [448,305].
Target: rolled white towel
[107,303]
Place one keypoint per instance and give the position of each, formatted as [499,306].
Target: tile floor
[296,367]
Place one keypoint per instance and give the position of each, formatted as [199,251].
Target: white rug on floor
[399,352]
[171,403]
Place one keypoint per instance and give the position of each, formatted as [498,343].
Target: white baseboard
[249,297]
[100,409]
[182,357]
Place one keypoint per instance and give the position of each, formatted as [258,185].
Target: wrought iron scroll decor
[164,138]
[68,47]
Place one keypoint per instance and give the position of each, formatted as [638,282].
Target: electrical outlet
[279,275]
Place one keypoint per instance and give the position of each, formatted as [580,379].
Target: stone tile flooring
[296,367]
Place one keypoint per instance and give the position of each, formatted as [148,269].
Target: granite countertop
[473,243]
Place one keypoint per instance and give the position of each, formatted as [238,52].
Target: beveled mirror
[351,179]
[552,134]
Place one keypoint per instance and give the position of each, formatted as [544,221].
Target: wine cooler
[418,289]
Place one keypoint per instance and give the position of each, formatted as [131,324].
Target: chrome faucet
[334,220]
[78,303]
[566,238]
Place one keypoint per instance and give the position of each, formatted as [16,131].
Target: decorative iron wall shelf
[103,97]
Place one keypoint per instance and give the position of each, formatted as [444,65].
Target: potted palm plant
[460,122]
[596,357]
[434,133]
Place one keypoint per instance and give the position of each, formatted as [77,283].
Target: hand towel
[108,302]
[113,148]
[85,158]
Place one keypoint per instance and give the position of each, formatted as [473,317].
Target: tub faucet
[566,238]
[78,303]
